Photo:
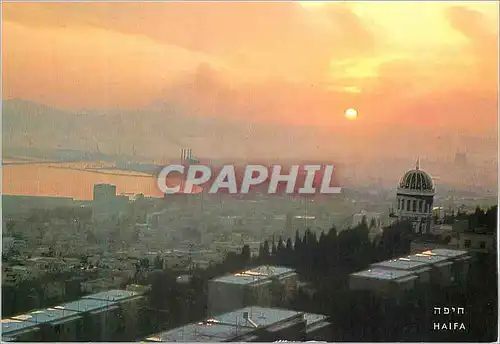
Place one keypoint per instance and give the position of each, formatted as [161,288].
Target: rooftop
[227,326]
[200,333]
[112,295]
[47,315]
[10,326]
[384,274]
[427,256]
[448,253]
[255,275]
[208,331]
[401,264]
[261,316]
[85,305]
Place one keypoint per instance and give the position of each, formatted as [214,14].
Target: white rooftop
[428,256]
[48,315]
[225,326]
[401,264]
[11,326]
[258,274]
[112,295]
[448,252]
[385,274]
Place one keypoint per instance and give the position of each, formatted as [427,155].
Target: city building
[106,316]
[421,245]
[101,284]
[261,286]
[415,198]
[55,325]
[14,330]
[18,204]
[16,274]
[461,262]
[441,266]
[106,204]
[101,320]
[130,305]
[318,327]
[251,324]
[384,282]
[477,242]
[420,269]
[437,266]
[104,192]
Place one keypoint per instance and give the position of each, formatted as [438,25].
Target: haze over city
[241,79]
[397,102]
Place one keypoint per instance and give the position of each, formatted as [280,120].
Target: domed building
[415,197]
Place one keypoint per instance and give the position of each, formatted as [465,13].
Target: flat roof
[384,274]
[262,316]
[10,326]
[112,295]
[428,257]
[48,315]
[449,253]
[255,275]
[86,305]
[401,264]
[201,332]
[227,326]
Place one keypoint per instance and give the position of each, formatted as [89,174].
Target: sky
[404,65]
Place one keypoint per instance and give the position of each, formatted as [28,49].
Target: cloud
[274,63]
[482,42]
[277,39]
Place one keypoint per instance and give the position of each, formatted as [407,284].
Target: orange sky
[403,63]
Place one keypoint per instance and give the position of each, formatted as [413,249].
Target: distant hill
[30,128]
[34,129]
[157,134]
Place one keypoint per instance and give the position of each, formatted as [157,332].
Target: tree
[246,255]
[144,264]
[280,247]
[265,252]
[158,263]
[297,242]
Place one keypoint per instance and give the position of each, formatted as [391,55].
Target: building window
[467,243]
[408,203]
[482,244]
[421,206]
[414,206]
[399,204]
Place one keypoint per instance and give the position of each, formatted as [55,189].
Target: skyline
[419,68]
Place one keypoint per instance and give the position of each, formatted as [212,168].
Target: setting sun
[351,114]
